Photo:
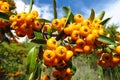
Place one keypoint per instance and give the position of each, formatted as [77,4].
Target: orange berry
[76,26]
[90,39]
[45,77]
[56,74]
[46,27]
[29,18]
[61,52]
[107,57]
[68,30]
[5,7]
[116,59]
[56,23]
[96,21]
[34,13]
[61,64]
[80,42]
[63,21]
[52,43]
[1,2]
[101,31]
[12,18]
[49,55]
[84,31]
[77,49]
[87,48]
[75,35]
[14,25]
[86,23]
[20,18]
[69,71]
[117,49]
[69,55]
[78,18]
[36,25]
[118,36]
[95,33]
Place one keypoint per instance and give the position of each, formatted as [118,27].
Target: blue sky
[45,8]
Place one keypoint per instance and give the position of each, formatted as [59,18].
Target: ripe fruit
[84,31]
[4,7]
[45,77]
[118,36]
[46,27]
[117,49]
[69,55]
[90,39]
[52,43]
[87,48]
[35,13]
[78,18]
[75,35]
[107,57]
[49,55]
[96,21]
[36,25]
[56,23]
[12,18]
[80,42]
[68,30]
[61,52]
[63,21]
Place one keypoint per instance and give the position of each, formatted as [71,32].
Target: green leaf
[105,21]
[67,20]
[39,41]
[12,7]
[10,13]
[31,5]
[44,20]
[38,35]
[4,16]
[66,10]
[92,15]
[106,40]
[39,68]
[101,15]
[73,68]
[55,10]
[31,59]
[31,76]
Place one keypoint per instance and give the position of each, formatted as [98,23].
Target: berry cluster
[109,59]
[25,23]
[83,33]
[58,56]
[4,6]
